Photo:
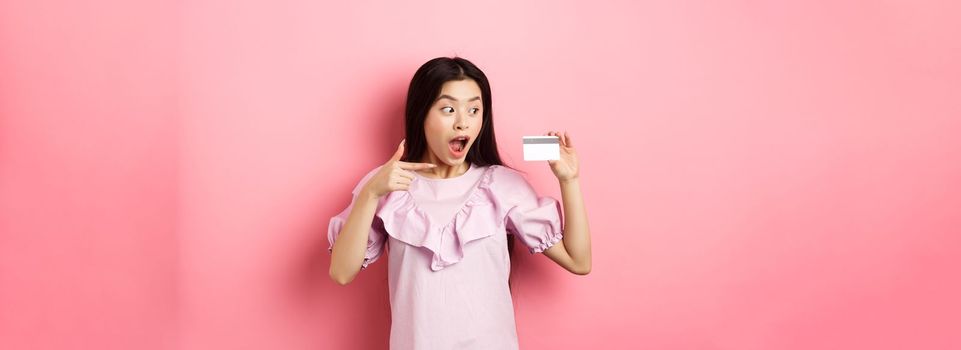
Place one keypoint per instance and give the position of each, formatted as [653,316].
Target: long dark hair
[424,89]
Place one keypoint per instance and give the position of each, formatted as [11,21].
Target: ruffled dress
[448,262]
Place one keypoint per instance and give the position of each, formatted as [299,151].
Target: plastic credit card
[542,148]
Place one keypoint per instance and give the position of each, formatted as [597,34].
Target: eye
[448,109]
[474,110]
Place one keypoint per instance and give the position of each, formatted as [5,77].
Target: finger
[415,166]
[400,187]
[567,139]
[405,174]
[397,183]
[400,151]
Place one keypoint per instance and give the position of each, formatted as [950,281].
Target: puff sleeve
[375,238]
[534,220]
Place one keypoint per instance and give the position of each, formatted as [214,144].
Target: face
[454,121]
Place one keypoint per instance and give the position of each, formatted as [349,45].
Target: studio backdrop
[757,175]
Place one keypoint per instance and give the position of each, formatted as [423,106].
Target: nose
[461,124]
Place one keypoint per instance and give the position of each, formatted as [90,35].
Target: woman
[444,204]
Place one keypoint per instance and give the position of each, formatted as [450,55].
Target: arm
[349,248]
[347,254]
[573,252]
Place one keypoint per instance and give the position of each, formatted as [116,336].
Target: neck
[443,170]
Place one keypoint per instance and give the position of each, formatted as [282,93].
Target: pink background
[757,176]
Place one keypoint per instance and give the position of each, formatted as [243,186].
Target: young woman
[444,205]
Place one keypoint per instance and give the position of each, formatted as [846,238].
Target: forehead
[462,90]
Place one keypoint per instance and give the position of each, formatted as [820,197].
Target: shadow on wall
[311,291]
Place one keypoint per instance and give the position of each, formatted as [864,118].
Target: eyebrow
[456,100]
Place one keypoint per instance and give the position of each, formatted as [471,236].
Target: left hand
[564,168]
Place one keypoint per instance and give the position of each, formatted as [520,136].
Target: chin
[459,161]
[449,161]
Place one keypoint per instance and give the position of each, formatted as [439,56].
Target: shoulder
[504,176]
[506,183]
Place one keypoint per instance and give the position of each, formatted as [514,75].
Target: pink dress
[448,263]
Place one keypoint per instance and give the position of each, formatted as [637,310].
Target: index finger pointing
[415,166]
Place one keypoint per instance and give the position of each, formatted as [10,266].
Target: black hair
[424,89]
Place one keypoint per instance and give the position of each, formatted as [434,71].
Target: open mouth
[459,144]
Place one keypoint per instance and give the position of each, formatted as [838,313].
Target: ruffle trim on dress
[408,223]
[554,238]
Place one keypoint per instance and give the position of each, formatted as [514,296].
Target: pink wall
[757,176]
[88,175]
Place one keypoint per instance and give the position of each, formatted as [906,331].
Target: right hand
[394,175]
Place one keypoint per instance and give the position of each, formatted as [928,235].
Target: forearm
[577,236]
[351,245]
